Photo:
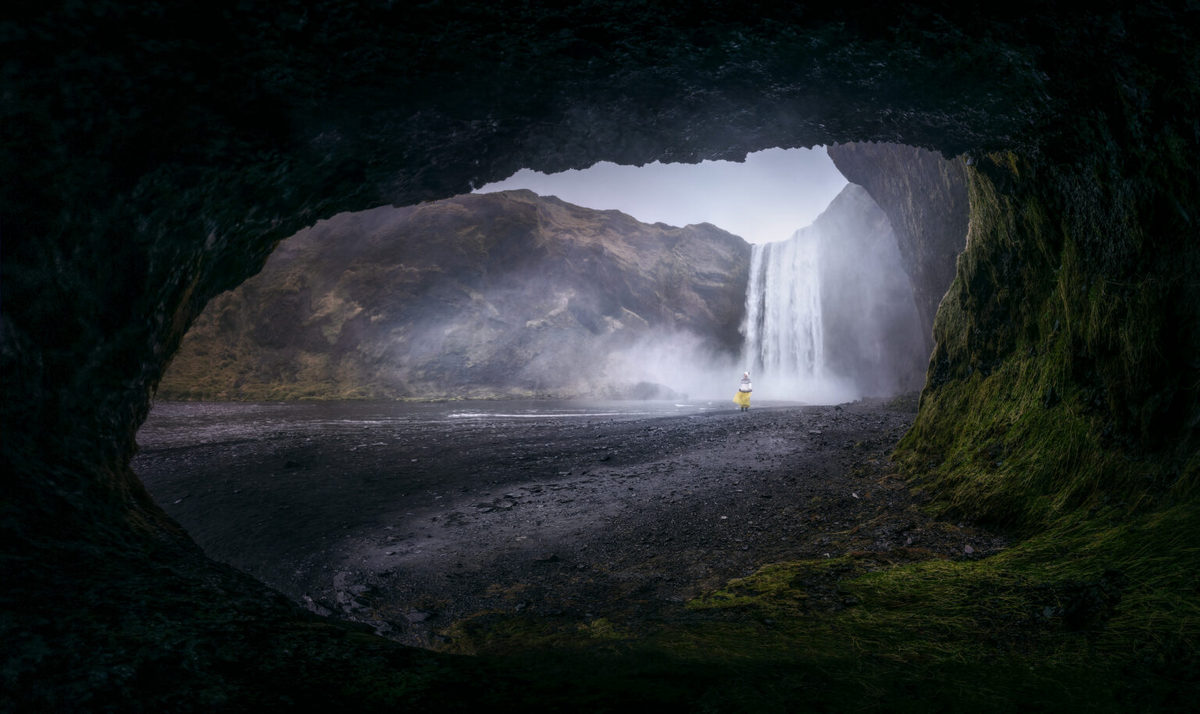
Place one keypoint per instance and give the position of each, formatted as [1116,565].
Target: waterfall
[784,336]
[830,315]
[783,310]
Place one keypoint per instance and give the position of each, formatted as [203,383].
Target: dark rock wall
[925,199]
[479,296]
[154,153]
[1070,334]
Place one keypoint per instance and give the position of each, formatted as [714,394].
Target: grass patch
[1090,615]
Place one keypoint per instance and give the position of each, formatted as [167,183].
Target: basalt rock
[480,296]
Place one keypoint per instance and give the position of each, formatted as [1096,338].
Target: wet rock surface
[412,530]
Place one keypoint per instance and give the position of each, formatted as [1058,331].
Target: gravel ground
[411,528]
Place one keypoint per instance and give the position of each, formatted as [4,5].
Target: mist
[511,295]
[683,362]
[829,317]
[829,314]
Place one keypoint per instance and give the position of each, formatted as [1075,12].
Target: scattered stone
[639,563]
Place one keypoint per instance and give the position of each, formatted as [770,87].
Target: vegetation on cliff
[479,296]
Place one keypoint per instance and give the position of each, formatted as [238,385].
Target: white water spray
[784,345]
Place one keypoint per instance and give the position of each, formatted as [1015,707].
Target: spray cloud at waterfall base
[830,315]
[784,348]
[682,361]
[829,318]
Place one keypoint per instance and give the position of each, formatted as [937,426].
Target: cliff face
[478,296]
[872,328]
[925,199]
[1082,384]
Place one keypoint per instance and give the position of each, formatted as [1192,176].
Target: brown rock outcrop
[479,296]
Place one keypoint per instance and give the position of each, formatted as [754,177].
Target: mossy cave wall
[154,153]
[1065,370]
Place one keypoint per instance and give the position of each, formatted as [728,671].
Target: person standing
[742,398]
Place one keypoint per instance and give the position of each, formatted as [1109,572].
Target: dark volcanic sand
[411,527]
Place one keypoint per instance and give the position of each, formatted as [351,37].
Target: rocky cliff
[479,296]
[925,198]
[872,327]
[830,314]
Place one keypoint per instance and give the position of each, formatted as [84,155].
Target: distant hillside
[489,295]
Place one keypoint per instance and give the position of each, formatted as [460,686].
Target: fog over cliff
[502,295]
[512,295]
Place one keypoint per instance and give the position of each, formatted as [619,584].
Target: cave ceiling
[156,152]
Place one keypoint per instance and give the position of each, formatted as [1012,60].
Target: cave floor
[433,532]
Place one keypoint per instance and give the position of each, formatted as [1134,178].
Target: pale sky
[766,198]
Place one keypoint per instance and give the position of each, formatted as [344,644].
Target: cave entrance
[782,268]
[365,507]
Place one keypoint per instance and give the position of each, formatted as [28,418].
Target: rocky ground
[416,529]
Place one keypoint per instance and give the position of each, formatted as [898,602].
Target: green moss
[1095,613]
[1048,398]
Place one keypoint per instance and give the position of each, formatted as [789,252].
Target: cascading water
[829,312]
[783,310]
